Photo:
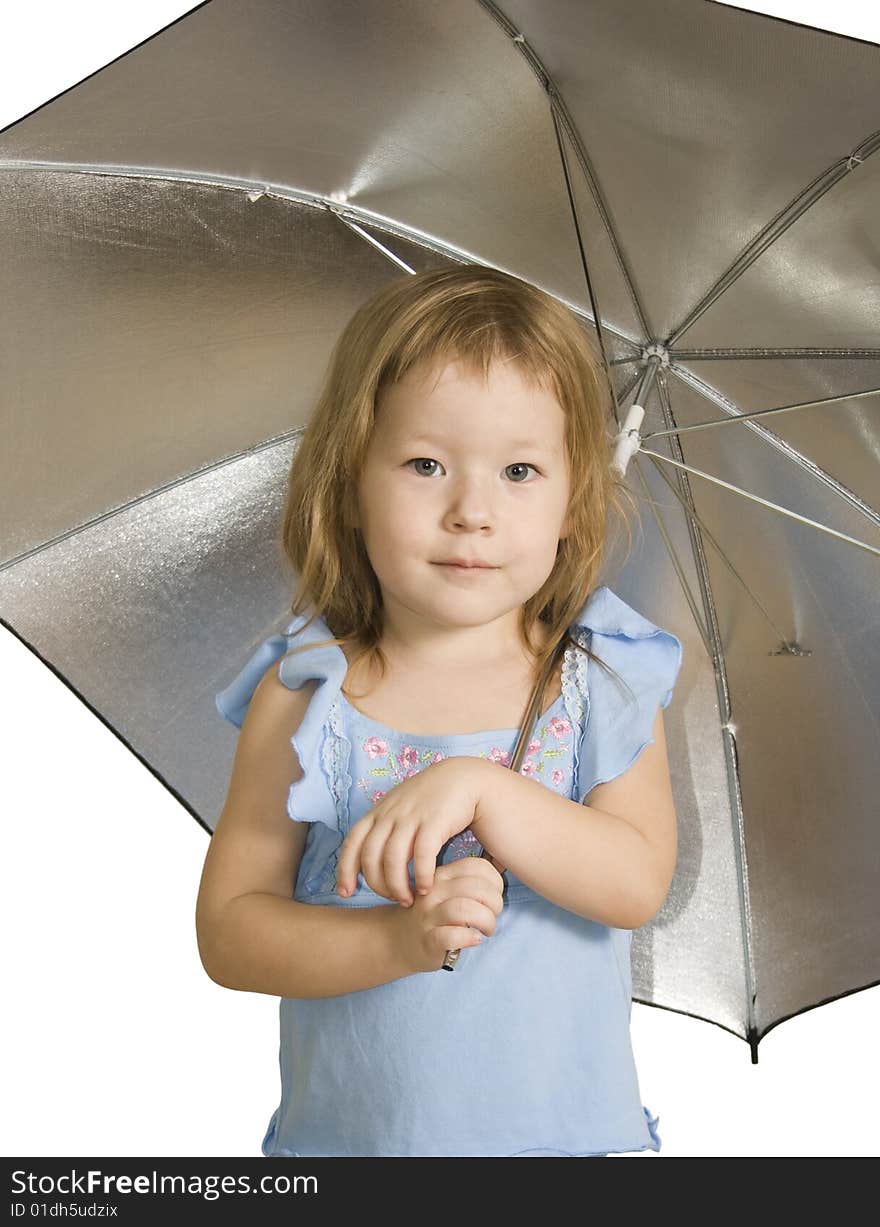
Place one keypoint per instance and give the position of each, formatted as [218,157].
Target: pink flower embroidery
[497,755]
[400,764]
[377,795]
[528,767]
[557,776]
[559,727]
[534,745]
[464,844]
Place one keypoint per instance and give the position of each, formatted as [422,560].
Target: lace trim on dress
[341,755]
[335,758]
[574,689]
[336,747]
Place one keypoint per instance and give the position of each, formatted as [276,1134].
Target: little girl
[446,519]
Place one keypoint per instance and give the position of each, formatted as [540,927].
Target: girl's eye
[425,460]
[522,465]
[422,460]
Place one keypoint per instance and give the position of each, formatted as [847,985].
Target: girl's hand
[411,822]
[463,904]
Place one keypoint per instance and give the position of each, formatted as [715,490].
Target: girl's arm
[251,934]
[611,861]
[266,944]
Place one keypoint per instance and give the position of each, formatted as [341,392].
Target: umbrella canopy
[185,233]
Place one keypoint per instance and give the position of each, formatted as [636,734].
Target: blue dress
[524,1049]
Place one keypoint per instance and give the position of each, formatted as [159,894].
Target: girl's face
[463,470]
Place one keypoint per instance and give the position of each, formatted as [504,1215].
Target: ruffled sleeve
[620,721]
[311,798]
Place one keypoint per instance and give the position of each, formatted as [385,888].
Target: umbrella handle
[628,442]
[533,712]
[452,955]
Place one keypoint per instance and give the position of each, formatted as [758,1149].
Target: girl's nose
[469,507]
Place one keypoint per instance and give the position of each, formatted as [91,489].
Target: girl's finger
[372,862]
[395,860]
[457,937]
[349,863]
[425,852]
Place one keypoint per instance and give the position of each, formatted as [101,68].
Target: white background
[115,1042]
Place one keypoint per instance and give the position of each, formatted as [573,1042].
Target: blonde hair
[476,315]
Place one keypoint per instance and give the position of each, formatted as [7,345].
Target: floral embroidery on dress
[463,844]
[541,752]
[556,727]
[408,760]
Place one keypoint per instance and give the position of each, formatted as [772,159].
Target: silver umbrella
[190,228]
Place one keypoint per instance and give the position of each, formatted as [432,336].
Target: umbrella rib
[344,213]
[120,508]
[764,502]
[629,387]
[718,352]
[728,729]
[419,238]
[584,266]
[359,230]
[773,440]
[637,357]
[676,562]
[689,510]
[560,112]
[760,413]
[777,226]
